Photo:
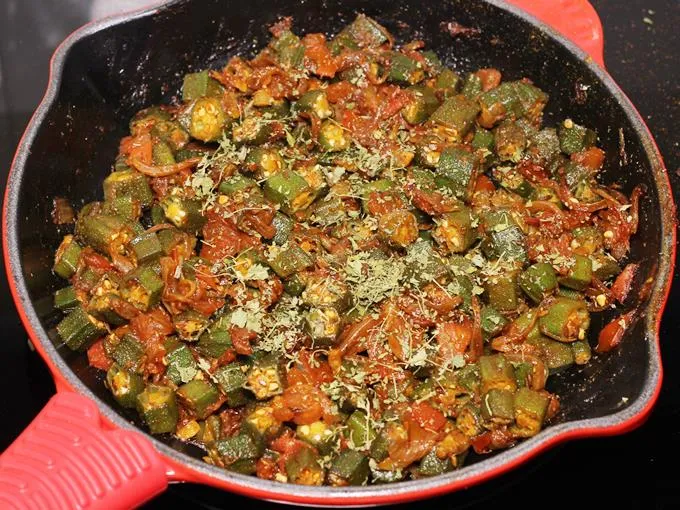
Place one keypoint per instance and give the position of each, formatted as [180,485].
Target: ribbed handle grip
[67,459]
[577,20]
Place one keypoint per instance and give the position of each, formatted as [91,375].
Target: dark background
[638,470]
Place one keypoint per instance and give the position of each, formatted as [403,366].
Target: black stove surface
[637,470]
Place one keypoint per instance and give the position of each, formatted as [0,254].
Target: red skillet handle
[577,20]
[67,459]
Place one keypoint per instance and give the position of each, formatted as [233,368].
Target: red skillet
[79,452]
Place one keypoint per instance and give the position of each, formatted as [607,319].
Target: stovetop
[637,470]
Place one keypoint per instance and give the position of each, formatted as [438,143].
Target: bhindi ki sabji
[343,263]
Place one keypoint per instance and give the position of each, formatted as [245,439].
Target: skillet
[82,450]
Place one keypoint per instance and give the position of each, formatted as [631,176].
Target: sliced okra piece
[146,247]
[510,142]
[457,113]
[447,82]
[124,207]
[575,138]
[469,420]
[350,467]
[317,434]
[101,231]
[289,259]
[472,86]
[333,137]
[303,467]
[158,407]
[200,85]
[289,49]
[216,339]
[503,237]
[290,190]
[184,213]
[365,32]
[530,410]
[496,373]
[457,166]
[580,274]
[66,299]
[162,154]
[498,406]
[238,447]
[423,103]
[231,379]
[182,366]
[78,329]
[261,424]
[128,183]
[207,119]
[128,353]
[566,320]
[237,183]
[359,429]
[125,385]
[455,230]
[492,321]
[252,130]
[582,352]
[264,162]
[67,257]
[190,324]
[502,290]
[323,325]
[316,102]
[538,281]
[404,70]
[431,465]
[556,355]
[200,396]
[144,288]
[264,378]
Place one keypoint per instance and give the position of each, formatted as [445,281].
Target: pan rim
[183,467]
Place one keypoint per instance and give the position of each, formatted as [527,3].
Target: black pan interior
[112,73]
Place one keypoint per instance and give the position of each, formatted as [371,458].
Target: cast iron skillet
[82,449]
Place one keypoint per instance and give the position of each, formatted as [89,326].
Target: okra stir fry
[343,263]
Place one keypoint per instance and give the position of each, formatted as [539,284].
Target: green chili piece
[78,329]
[67,257]
[158,407]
